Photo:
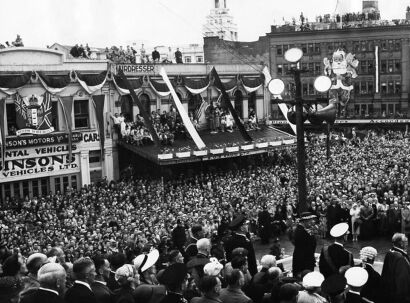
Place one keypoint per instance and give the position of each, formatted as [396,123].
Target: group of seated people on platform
[79,51]
[16,43]
[222,120]
[168,126]
[121,55]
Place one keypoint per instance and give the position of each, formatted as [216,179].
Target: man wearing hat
[311,284]
[175,279]
[356,277]
[239,238]
[335,256]
[396,271]
[334,288]
[305,245]
[372,289]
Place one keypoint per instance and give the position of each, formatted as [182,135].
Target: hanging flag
[21,111]
[228,104]
[98,101]
[3,131]
[282,106]
[201,109]
[182,112]
[92,83]
[38,118]
[67,106]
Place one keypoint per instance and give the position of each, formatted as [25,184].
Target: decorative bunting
[252,85]
[16,81]
[182,112]
[54,85]
[227,103]
[196,86]
[92,83]
[161,89]
[120,86]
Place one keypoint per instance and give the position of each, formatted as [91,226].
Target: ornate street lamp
[322,84]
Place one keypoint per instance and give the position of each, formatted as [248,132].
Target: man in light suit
[52,279]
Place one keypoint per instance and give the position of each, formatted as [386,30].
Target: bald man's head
[53,276]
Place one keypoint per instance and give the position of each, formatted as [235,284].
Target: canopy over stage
[218,146]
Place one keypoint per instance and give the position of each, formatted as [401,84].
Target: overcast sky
[155,22]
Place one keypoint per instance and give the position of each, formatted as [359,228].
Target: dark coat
[172,297]
[41,296]
[179,236]
[238,240]
[124,295]
[339,257]
[111,283]
[260,285]
[190,249]
[355,298]
[304,253]
[79,294]
[102,293]
[396,276]
[372,290]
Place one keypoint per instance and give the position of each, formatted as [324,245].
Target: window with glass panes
[81,114]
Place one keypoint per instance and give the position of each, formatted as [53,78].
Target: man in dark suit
[155,55]
[99,287]
[196,264]
[335,256]
[190,246]
[52,279]
[372,290]
[305,245]
[80,292]
[240,238]
[179,236]
[396,271]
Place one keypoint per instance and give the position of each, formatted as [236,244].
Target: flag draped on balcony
[182,112]
[122,89]
[10,84]
[54,84]
[195,86]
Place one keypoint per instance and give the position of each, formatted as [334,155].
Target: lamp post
[276,87]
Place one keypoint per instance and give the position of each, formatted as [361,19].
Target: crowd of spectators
[121,55]
[80,51]
[168,125]
[365,183]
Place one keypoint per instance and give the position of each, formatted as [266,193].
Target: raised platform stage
[219,146]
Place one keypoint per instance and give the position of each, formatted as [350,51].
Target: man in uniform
[305,245]
[356,277]
[335,256]
[240,238]
[333,287]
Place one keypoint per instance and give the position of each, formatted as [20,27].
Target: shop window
[397,65]
[383,45]
[188,59]
[199,59]
[317,48]
[305,89]
[304,48]
[279,51]
[317,68]
[280,69]
[370,68]
[370,45]
[57,185]
[356,87]
[384,88]
[310,48]
[81,114]
[383,66]
[370,87]
[390,66]
[363,66]
[390,45]
[363,47]
[74,182]
[311,89]
[397,45]
[65,183]
[390,87]
[311,68]
[94,156]
[397,88]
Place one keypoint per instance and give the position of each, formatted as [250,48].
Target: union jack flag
[45,113]
[21,112]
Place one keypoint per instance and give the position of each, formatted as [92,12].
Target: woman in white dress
[355,214]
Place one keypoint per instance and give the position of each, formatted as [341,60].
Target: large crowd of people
[185,238]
